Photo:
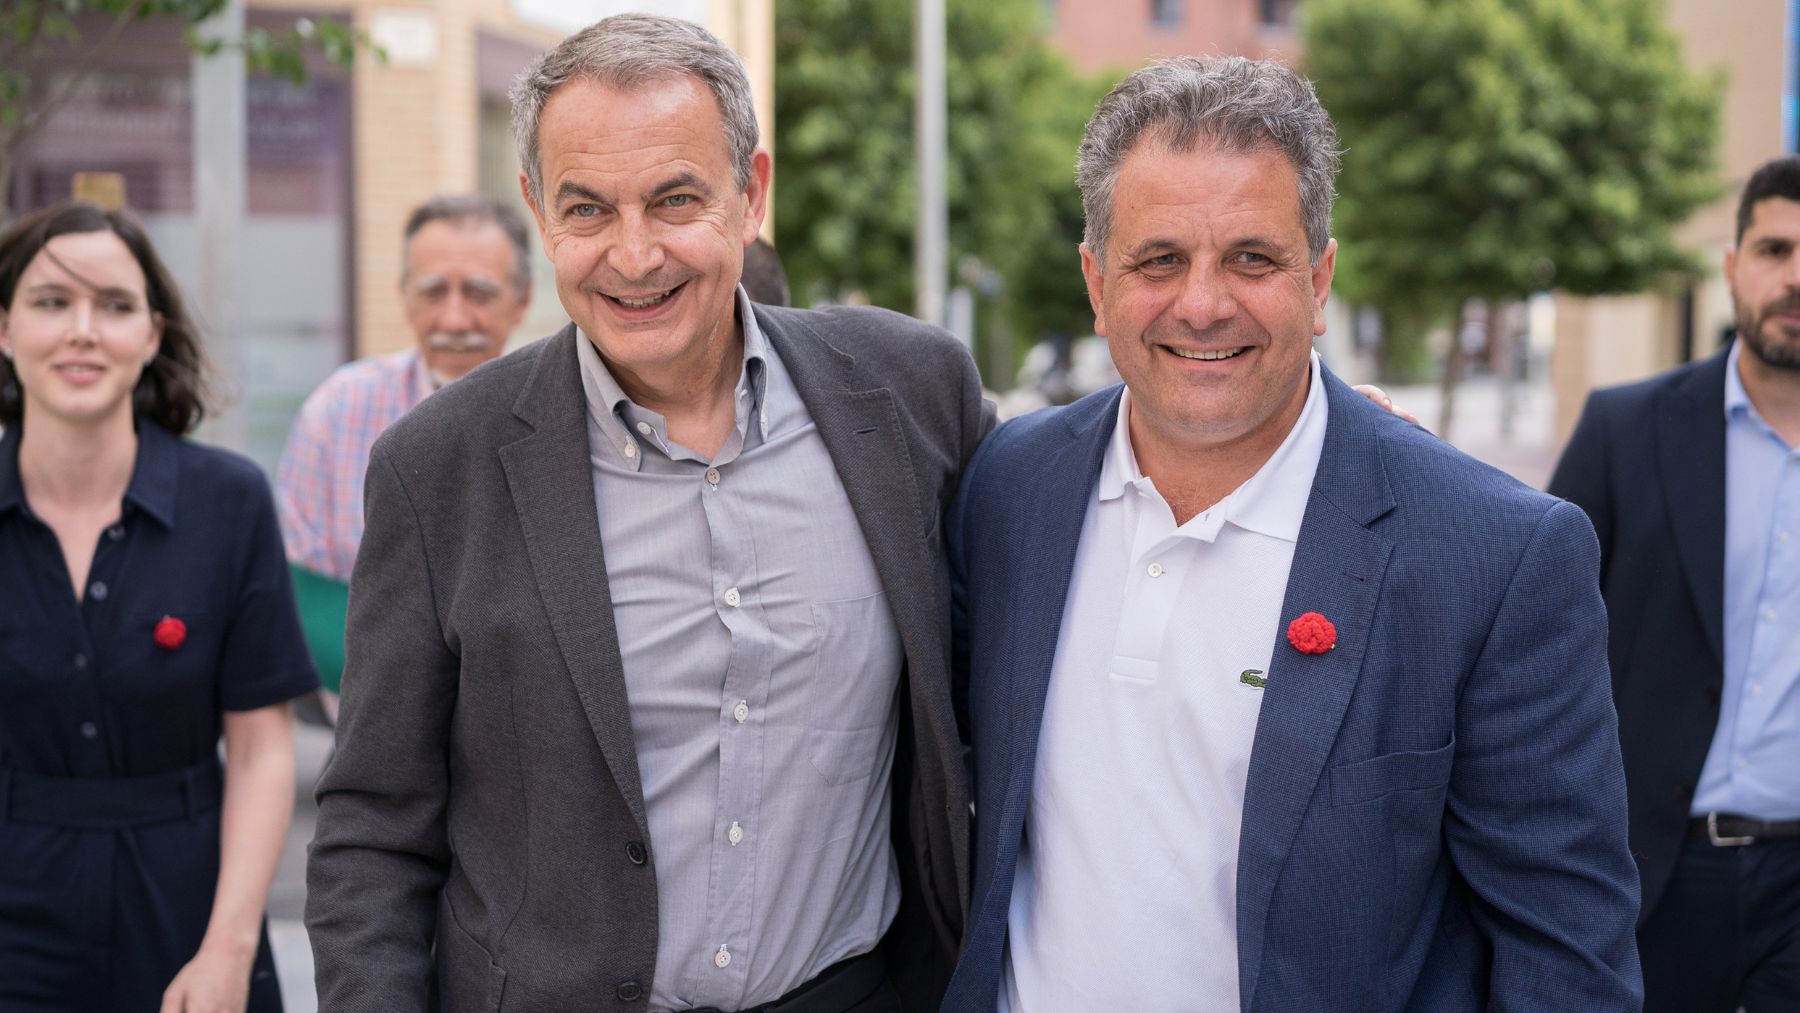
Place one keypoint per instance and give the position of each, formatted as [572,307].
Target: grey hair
[1235,104]
[469,208]
[625,51]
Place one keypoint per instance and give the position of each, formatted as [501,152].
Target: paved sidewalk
[287,897]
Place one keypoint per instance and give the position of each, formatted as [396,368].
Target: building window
[1165,13]
[1278,13]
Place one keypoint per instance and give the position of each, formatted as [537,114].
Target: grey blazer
[482,842]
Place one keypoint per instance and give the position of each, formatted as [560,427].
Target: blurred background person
[765,280]
[148,612]
[465,282]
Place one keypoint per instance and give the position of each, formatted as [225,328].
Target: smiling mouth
[1210,356]
[645,302]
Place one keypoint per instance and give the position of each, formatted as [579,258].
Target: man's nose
[1206,299]
[458,314]
[637,252]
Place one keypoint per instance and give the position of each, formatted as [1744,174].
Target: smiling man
[1276,702]
[647,700]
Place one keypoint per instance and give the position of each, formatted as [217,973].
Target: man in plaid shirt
[465,282]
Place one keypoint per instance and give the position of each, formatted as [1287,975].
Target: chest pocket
[855,674]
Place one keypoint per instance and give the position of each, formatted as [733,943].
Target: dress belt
[1725,830]
[837,988]
[110,803]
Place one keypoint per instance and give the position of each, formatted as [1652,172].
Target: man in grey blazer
[646,703]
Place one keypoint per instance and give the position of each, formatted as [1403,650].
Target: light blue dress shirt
[1753,768]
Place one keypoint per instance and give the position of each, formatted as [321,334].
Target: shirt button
[644,427]
[712,476]
[635,852]
[763,417]
[629,991]
[630,449]
[722,959]
[1742,764]
[1769,614]
[732,597]
[97,590]
[117,531]
[81,662]
[1755,689]
[1155,570]
[89,730]
[735,834]
[1781,536]
[741,712]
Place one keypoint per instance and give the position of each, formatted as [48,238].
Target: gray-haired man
[1276,702]
[647,702]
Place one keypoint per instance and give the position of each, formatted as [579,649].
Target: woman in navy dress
[146,614]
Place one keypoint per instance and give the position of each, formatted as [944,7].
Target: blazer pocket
[1373,778]
[468,978]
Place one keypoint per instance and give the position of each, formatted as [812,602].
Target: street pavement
[1528,454]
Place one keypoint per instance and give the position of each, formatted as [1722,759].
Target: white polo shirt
[1126,892]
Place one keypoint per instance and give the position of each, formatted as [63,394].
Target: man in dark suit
[1692,480]
[1276,702]
[647,701]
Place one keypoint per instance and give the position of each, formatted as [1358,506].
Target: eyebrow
[681,181]
[571,189]
[477,281]
[103,293]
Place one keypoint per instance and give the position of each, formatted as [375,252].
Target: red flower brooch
[1312,633]
[170,632]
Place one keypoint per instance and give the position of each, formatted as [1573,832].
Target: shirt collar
[623,421]
[153,475]
[1272,501]
[1737,399]
[424,385]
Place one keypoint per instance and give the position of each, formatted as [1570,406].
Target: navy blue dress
[110,777]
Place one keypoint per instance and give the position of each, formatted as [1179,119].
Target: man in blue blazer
[1692,480]
[1276,702]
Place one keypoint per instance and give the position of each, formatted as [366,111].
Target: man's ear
[1094,273]
[756,194]
[537,213]
[1321,285]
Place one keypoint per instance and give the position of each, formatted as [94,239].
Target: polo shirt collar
[1271,502]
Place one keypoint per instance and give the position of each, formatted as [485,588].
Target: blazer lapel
[1689,421]
[1056,509]
[552,487]
[1337,571]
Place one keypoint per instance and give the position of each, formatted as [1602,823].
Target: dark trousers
[1726,933]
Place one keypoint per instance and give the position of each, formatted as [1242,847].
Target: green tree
[37,77]
[845,191]
[1498,148]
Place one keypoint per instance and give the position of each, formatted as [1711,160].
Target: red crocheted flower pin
[1312,633]
[170,633]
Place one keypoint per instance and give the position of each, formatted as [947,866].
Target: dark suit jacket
[481,826]
[1434,817]
[1647,463]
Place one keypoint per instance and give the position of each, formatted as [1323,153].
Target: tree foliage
[846,190]
[1498,148]
[37,77]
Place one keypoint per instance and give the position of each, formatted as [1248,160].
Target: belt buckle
[1712,834]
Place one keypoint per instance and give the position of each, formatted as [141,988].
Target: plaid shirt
[319,483]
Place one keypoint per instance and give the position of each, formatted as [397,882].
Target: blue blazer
[1435,813]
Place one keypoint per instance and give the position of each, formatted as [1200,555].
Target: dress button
[97,590]
[116,532]
[629,991]
[635,852]
[1155,570]
[89,730]
[644,427]
[630,449]
[741,712]
[732,597]
[735,835]
[80,662]
[722,959]
[712,476]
